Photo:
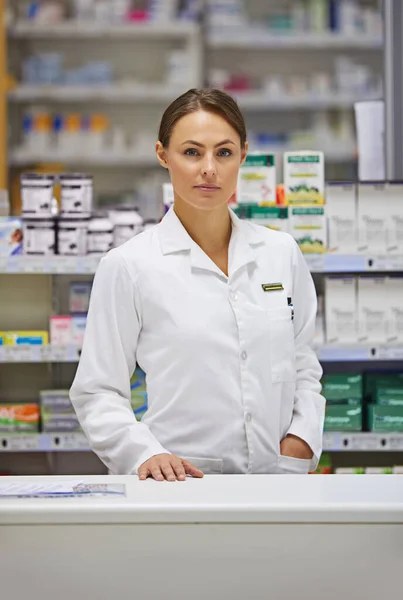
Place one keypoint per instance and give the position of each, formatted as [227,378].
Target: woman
[233,385]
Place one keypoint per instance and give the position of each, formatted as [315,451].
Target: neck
[210,229]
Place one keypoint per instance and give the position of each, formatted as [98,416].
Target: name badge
[272,287]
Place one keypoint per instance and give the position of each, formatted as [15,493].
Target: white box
[372,310]
[341,212]
[79,296]
[372,217]
[394,300]
[304,177]
[308,226]
[257,180]
[60,330]
[78,324]
[341,310]
[394,215]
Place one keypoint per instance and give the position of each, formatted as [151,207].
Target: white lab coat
[229,373]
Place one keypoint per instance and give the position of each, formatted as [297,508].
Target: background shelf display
[22,157]
[26,353]
[260,39]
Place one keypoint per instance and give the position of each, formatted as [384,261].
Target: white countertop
[220,499]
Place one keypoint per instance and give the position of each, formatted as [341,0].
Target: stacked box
[273,217]
[257,180]
[18,417]
[342,389]
[389,396]
[343,418]
[308,226]
[385,419]
[57,412]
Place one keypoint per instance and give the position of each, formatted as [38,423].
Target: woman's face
[203,159]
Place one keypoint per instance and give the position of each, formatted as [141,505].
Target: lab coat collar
[174,238]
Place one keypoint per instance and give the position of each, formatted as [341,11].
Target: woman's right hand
[168,467]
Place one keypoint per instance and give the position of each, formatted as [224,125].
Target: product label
[36,201]
[257,181]
[39,240]
[72,241]
[76,199]
[99,242]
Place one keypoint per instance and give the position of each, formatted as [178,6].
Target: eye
[191,152]
[224,152]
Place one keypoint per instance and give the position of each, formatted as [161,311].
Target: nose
[208,167]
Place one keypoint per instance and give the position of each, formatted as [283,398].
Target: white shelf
[21,157]
[164,30]
[49,265]
[356,442]
[113,93]
[354,263]
[77,442]
[360,353]
[260,39]
[46,353]
[259,101]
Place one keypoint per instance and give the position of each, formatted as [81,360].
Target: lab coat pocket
[209,466]
[292,466]
[282,344]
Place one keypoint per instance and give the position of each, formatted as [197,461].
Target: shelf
[261,39]
[259,101]
[46,353]
[77,442]
[164,30]
[49,265]
[354,263]
[360,353]
[356,442]
[113,93]
[20,158]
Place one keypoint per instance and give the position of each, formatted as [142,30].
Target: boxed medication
[342,389]
[273,217]
[343,417]
[10,236]
[57,412]
[257,180]
[308,226]
[372,310]
[394,302]
[79,297]
[372,217]
[341,212]
[389,396]
[78,325]
[374,381]
[16,338]
[341,310]
[60,330]
[304,177]
[19,417]
[384,419]
[394,214]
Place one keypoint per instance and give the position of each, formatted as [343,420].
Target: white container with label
[76,195]
[127,223]
[72,237]
[37,195]
[100,235]
[39,237]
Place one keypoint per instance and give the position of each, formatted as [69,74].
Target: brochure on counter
[59,489]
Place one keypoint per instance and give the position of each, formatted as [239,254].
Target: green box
[343,418]
[345,389]
[384,419]
[374,380]
[389,396]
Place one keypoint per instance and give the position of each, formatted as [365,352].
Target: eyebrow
[194,143]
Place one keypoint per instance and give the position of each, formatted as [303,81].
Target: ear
[244,153]
[161,154]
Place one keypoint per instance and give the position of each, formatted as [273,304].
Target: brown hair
[210,100]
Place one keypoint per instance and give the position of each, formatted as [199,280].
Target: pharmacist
[220,315]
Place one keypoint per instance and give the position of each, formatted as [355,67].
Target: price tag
[64,264]
[19,442]
[396,442]
[45,353]
[69,441]
[390,353]
[59,353]
[331,441]
[33,265]
[366,441]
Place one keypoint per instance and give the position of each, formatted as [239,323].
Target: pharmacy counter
[277,537]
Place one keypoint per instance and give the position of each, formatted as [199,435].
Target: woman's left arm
[309,405]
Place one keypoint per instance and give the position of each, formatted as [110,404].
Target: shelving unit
[21,158]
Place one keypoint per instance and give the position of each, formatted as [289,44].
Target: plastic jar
[127,223]
[76,196]
[72,237]
[37,195]
[100,234]
[39,237]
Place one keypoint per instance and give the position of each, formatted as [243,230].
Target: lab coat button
[234,296]
[244,356]
[248,417]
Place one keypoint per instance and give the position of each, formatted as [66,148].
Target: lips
[207,188]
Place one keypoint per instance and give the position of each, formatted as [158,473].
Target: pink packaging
[60,330]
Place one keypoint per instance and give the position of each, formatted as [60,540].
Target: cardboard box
[341,309]
[79,297]
[372,310]
[373,381]
[341,212]
[16,338]
[60,330]
[394,301]
[257,180]
[343,418]
[394,216]
[273,217]
[342,389]
[55,402]
[19,417]
[304,177]
[78,325]
[308,226]
[389,396]
[372,217]
[384,419]
[10,236]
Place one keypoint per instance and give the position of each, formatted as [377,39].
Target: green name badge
[272,287]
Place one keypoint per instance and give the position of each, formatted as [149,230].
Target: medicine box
[372,310]
[342,389]
[273,217]
[257,180]
[343,418]
[372,217]
[60,330]
[383,419]
[394,303]
[304,177]
[341,309]
[10,236]
[78,325]
[308,227]
[17,338]
[19,417]
[389,396]
[79,297]
[341,212]
[394,214]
